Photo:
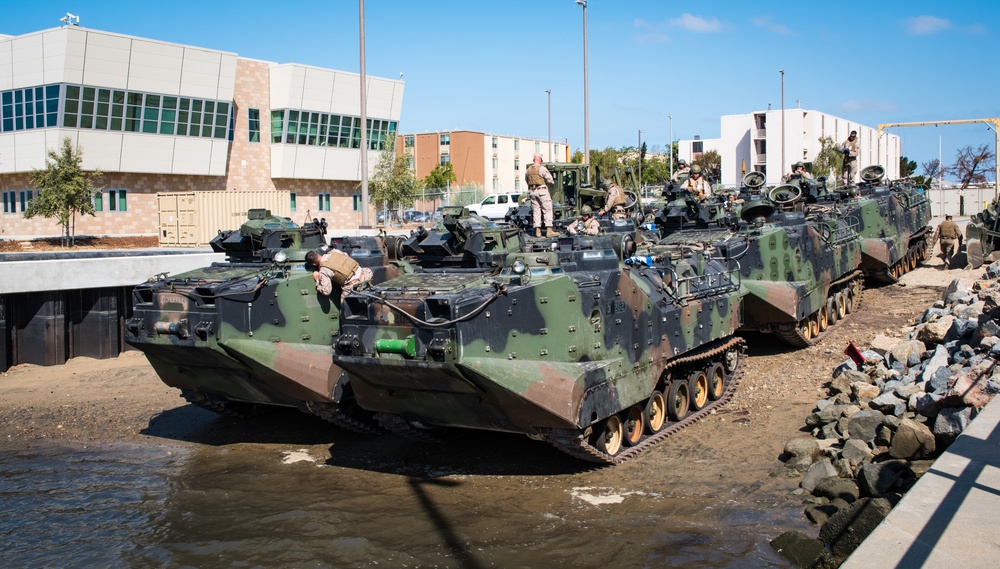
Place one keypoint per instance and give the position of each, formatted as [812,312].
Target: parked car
[495,206]
[392,215]
[414,216]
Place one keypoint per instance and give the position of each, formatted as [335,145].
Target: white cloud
[693,23]
[773,27]
[648,33]
[924,25]
[867,105]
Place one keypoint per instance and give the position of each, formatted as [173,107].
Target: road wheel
[814,324]
[698,387]
[633,425]
[716,382]
[678,400]
[823,318]
[656,413]
[840,301]
[805,329]
[609,435]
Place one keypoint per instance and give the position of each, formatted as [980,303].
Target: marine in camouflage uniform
[697,185]
[538,179]
[337,268]
[850,147]
[950,238]
[614,201]
[587,224]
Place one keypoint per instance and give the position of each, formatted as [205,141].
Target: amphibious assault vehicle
[983,236]
[560,340]
[253,330]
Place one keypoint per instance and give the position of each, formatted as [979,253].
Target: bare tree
[971,166]
[932,169]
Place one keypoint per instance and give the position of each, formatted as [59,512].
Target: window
[538,147]
[356,202]
[324,202]
[277,125]
[98,200]
[496,184]
[253,117]
[517,145]
[495,162]
[26,196]
[502,199]
[9,201]
[517,184]
[517,164]
[697,147]
[494,143]
[117,200]
[291,198]
[445,159]
[492,199]
[446,139]
[407,142]
[409,161]
[28,108]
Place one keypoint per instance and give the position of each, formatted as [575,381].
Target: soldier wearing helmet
[850,147]
[696,184]
[614,201]
[798,171]
[587,224]
[539,179]
[682,170]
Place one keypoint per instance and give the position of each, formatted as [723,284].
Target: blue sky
[485,66]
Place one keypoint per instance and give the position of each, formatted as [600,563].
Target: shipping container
[192,219]
[40,328]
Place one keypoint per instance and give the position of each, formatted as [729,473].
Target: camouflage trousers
[948,250]
[541,207]
[850,171]
[361,275]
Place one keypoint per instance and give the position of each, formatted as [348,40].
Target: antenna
[70,19]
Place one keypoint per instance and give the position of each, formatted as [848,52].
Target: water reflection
[274,505]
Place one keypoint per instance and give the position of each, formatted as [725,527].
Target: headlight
[518,267]
[280,257]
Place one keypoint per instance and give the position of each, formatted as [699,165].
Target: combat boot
[545,231]
[538,232]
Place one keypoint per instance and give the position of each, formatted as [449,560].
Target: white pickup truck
[495,206]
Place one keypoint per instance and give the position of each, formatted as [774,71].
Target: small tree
[711,166]
[440,177]
[829,160]
[63,189]
[906,167]
[393,181]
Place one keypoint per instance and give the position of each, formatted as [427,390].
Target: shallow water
[278,505]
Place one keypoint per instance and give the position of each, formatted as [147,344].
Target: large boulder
[888,404]
[846,529]
[950,423]
[903,351]
[802,451]
[936,331]
[912,440]
[936,362]
[884,344]
[876,479]
[863,425]
[817,472]
[959,288]
[862,390]
[834,488]
[801,550]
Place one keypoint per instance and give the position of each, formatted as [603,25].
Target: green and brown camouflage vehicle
[892,218]
[982,234]
[561,341]
[253,329]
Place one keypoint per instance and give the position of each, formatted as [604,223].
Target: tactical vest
[533,176]
[342,266]
[949,230]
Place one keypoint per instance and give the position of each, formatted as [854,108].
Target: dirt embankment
[80,243]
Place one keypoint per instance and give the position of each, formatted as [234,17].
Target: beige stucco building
[161,117]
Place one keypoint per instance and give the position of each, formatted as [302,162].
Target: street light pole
[782,173]
[364,124]
[640,161]
[670,150]
[586,114]
[549,93]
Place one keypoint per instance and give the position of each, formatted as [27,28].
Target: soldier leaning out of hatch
[798,171]
[614,200]
[950,238]
[336,268]
[539,179]
[587,224]
[682,170]
[697,185]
